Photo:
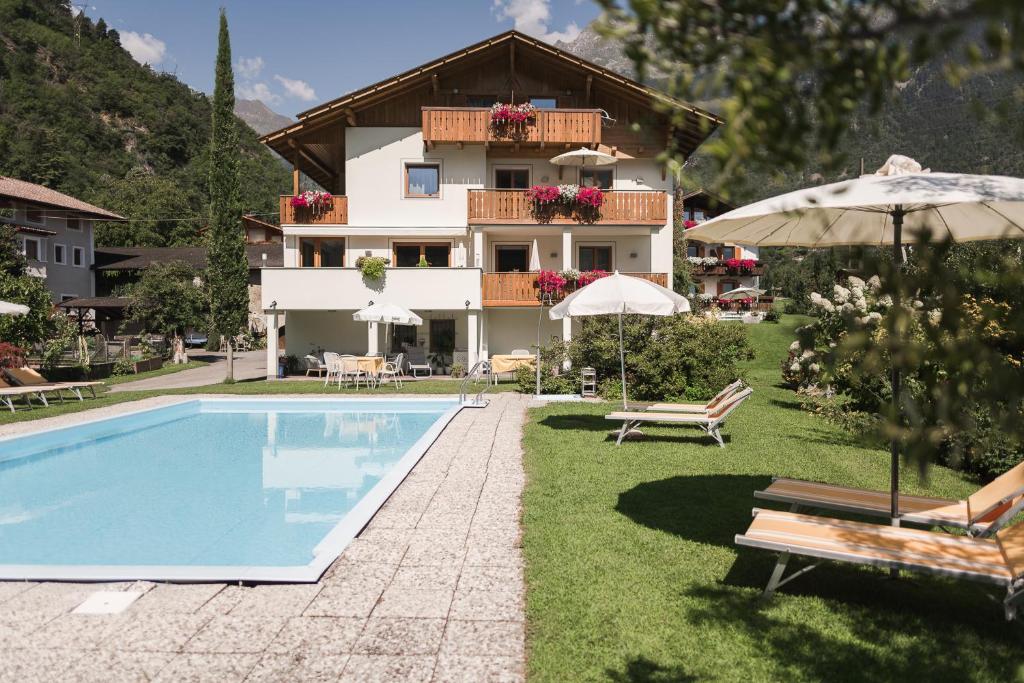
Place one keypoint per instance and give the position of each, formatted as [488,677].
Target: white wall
[628,174]
[61,279]
[345,288]
[336,331]
[374,178]
[508,328]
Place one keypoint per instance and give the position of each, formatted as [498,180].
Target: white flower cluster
[822,303]
[568,192]
[702,260]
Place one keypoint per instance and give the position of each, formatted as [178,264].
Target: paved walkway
[432,590]
[248,365]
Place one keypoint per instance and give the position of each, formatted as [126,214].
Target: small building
[717,267]
[55,233]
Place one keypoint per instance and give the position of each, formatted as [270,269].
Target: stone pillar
[566,248]
[272,339]
[472,343]
[371,339]
[478,248]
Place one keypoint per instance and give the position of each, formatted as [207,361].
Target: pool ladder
[481,368]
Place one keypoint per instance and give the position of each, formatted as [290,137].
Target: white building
[421,174]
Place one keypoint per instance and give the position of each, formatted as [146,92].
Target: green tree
[166,299]
[12,261]
[34,327]
[154,204]
[227,269]
[682,278]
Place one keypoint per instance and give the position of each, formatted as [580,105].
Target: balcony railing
[473,125]
[336,214]
[723,270]
[620,207]
[521,289]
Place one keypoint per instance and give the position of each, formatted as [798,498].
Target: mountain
[78,114]
[260,117]
[944,127]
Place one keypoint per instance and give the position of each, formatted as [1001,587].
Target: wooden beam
[512,64]
[350,116]
[435,82]
[295,166]
[586,89]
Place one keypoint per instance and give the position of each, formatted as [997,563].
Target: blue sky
[295,54]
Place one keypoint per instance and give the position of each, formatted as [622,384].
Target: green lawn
[167,369]
[259,387]
[632,573]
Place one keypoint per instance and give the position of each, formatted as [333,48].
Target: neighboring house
[714,269]
[55,232]
[261,232]
[420,173]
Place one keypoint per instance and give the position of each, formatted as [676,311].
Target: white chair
[333,364]
[314,364]
[390,371]
[350,370]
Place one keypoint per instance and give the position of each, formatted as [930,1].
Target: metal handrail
[477,369]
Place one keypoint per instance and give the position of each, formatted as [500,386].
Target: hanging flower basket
[568,201]
[315,202]
[551,282]
[511,120]
[740,266]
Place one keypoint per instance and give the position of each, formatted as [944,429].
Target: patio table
[510,363]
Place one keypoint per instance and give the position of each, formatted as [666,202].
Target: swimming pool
[208,489]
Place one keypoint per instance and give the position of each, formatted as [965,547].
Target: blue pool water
[221,488]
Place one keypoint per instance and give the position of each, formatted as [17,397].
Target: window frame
[63,261]
[40,248]
[78,250]
[596,245]
[423,250]
[317,241]
[421,164]
[597,169]
[511,167]
[542,97]
[77,221]
[494,254]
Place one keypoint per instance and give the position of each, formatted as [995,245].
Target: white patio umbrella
[873,210]
[619,294]
[741,293]
[7,308]
[584,157]
[534,256]
[387,313]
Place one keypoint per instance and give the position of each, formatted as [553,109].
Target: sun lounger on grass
[27,377]
[711,422]
[984,512]
[8,393]
[696,408]
[998,560]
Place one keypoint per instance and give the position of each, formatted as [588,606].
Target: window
[728,253]
[423,180]
[698,215]
[511,258]
[408,254]
[544,102]
[32,248]
[60,254]
[34,215]
[595,258]
[512,178]
[693,250]
[67,297]
[321,252]
[75,224]
[481,101]
[726,286]
[78,257]
[597,177]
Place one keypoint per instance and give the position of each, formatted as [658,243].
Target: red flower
[590,196]
[588,276]
[689,224]
[543,194]
[550,281]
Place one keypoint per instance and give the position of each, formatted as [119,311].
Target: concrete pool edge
[325,552]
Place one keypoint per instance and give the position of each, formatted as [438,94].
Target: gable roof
[141,258]
[22,190]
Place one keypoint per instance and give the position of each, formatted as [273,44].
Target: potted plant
[372,267]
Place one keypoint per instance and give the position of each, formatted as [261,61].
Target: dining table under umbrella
[875,210]
[620,295]
[387,313]
[8,308]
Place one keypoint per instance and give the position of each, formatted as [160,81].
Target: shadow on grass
[791,404]
[584,422]
[643,670]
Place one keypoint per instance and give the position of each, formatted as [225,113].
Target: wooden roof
[317,144]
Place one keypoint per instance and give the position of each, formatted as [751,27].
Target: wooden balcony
[336,214]
[621,207]
[723,271]
[520,289]
[450,125]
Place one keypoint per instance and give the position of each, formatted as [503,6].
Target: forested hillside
[81,116]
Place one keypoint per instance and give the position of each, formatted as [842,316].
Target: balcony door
[512,178]
[321,252]
[594,257]
[411,254]
[511,258]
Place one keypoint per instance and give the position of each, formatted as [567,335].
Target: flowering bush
[550,282]
[741,265]
[544,194]
[589,276]
[11,356]
[512,113]
[571,275]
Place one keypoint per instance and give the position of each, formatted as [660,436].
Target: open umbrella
[7,308]
[387,313]
[873,210]
[618,294]
[741,293]
[584,157]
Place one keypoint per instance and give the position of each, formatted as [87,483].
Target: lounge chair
[314,364]
[27,377]
[998,560]
[8,393]
[696,408]
[711,423]
[984,512]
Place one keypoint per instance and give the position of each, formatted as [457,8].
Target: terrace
[521,289]
[550,128]
[619,207]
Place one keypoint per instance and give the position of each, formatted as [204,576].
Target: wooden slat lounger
[984,512]
[710,423]
[998,560]
[27,377]
[9,393]
[697,408]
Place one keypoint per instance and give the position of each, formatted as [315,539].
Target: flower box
[580,203]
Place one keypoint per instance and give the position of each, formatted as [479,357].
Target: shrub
[423,263]
[123,366]
[554,379]
[772,315]
[458,370]
[372,267]
[11,356]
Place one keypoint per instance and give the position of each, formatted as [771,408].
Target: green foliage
[554,379]
[80,117]
[36,325]
[458,370]
[166,299]
[682,269]
[62,337]
[772,315]
[795,273]
[372,267]
[682,357]
[227,268]
[422,263]
[123,366]
[12,261]
[790,79]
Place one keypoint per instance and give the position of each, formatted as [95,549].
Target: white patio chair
[314,364]
[390,371]
[350,370]
[333,364]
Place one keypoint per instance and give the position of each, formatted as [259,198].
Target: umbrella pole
[622,365]
[894,447]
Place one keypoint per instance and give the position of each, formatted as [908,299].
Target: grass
[632,573]
[248,388]
[168,369]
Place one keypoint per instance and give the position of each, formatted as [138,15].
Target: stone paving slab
[431,590]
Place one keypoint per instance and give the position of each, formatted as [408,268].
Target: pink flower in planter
[550,282]
[588,276]
[543,194]
[689,224]
[590,196]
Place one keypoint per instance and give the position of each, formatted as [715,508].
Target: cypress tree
[227,270]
